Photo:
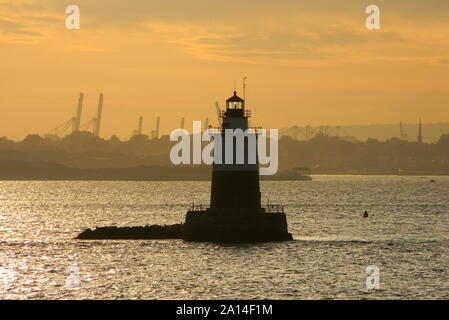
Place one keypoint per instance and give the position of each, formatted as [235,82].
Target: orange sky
[307,62]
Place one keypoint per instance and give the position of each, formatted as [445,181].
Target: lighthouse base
[236,225]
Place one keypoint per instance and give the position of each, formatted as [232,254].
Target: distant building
[420,136]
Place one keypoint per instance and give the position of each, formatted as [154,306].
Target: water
[406,236]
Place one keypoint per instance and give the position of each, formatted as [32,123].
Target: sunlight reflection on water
[406,235]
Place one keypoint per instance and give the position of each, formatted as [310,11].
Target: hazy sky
[307,62]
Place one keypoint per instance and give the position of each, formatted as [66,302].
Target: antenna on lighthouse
[244,87]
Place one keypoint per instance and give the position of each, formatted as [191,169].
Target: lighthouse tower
[235,212]
[234,184]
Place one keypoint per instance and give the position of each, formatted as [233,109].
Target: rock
[147,232]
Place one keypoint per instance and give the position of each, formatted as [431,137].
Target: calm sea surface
[406,236]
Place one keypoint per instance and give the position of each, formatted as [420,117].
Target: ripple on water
[406,236]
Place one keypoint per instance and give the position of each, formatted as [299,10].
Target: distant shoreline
[191,179]
[19,170]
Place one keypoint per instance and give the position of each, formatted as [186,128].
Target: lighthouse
[235,212]
[234,184]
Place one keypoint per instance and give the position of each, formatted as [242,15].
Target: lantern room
[235,102]
[235,106]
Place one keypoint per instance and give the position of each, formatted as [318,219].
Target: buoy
[365,214]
